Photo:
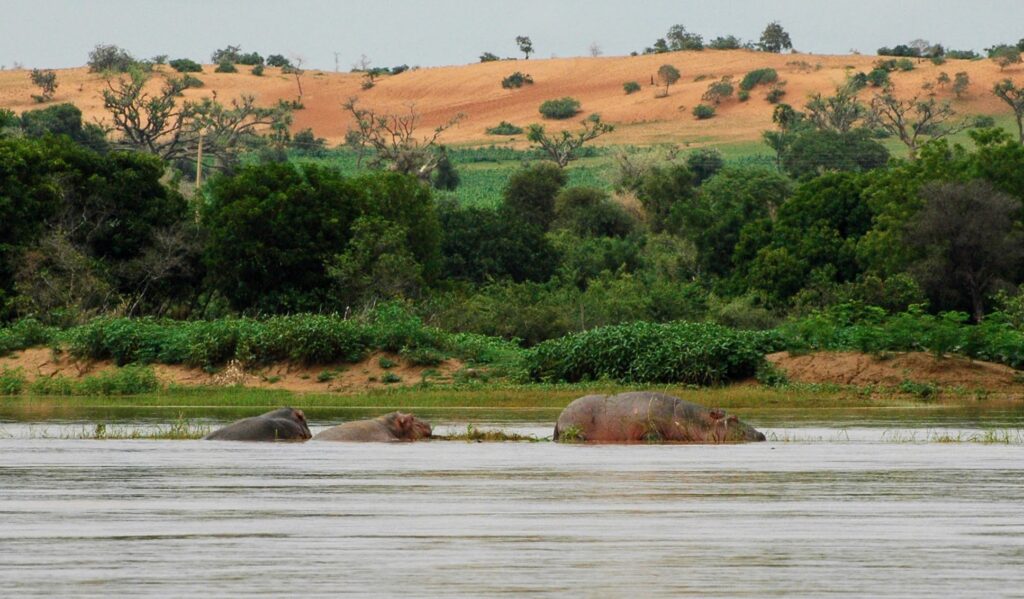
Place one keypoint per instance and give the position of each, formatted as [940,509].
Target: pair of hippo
[641,417]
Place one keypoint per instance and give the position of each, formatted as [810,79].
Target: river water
[857,511]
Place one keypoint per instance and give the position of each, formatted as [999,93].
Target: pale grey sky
[60,33]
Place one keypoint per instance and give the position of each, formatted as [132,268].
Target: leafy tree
[588,212]
[63,119]
[729,42]
[376,264]
[563,147]
[489,57]
[1005,56]
[108,57]
[811,152]
[664,190]
[529,194]
[445,175]
[516,80]
[719,90]
[680,39]
[703,111]
[46,80]
[668,75]
[1006,91]
[525,45]
[961,81]
[704,163]
[277,60]
[911,120]
[841,113]
[480,245]
[226,67]
[969,243]
[775,39]
[185,65]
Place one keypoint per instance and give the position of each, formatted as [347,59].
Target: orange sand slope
[475,90]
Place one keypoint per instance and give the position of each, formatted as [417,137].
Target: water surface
[840,511]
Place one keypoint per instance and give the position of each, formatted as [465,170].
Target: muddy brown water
[853,508]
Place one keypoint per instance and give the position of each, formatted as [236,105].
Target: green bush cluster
[504,128]
[693,353]
[130,380]
[24,334]
[703,111]
[630,87]
[857,327]
[186,65]
[516,80]
[759,77]
[561,108]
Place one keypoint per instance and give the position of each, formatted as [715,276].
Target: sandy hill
[475,90]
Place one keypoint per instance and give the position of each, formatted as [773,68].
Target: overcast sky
[60,33]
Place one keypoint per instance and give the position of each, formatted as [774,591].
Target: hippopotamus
[285,424]
[395,426]
[645,417]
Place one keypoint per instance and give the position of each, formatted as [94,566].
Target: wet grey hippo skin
[395,426]
[645,417]
[285,424]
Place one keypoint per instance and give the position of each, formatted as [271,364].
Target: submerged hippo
[648,417]
[395,426]
[286,424]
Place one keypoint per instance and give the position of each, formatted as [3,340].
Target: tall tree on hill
[775,39]
[913,119]
[668,75]
[525,45]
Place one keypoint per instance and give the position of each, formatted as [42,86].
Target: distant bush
[504,128]
[878,78]
[12,381]
[251,59]
[108,57]
[562,108]
[905,64]
[257,70]
[516,80]
[631,87]
[775,94]
[129,380]
[277,60]
[489,57]
[186,65]
[24,334]
[692,353]
[938,60]
[962,55]
[226,67]
[758,77]
[743,95]
[703,111]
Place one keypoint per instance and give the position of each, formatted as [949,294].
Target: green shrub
[390,377]
[878,78]
[743,95]
[562,108]
[186,65]
[12,381]
[226,67]
[693,353]
[423,356]
[758,77]
[24,334]
[775,94]
[386,362]
[257,70]
[631,87]
[516,80]
[130,380]
[395,329]
[905,64]
[505,128]
[703,111]
[305,338]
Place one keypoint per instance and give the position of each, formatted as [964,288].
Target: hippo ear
[403,421]
[299,414]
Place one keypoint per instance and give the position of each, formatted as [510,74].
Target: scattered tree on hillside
[961,81]
[108,57]
[294,68]
[562,148]
[719,90]
[668,75]
[911,120]
[728,42]
[46,80]
[680,39]
[277,60]
[841,112]
[969,243]
[525,45]
[1006,91]
[1005,56]
[394,141]
[775,39]
[489,57]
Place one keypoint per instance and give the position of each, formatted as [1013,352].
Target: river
[818,511]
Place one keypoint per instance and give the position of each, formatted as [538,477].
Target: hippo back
[358,431]
[285,424]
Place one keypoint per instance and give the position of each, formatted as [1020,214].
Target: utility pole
[337,56]
[199,161]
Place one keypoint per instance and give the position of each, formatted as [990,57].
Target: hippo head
[407,427]
[727,428]
[300,418]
